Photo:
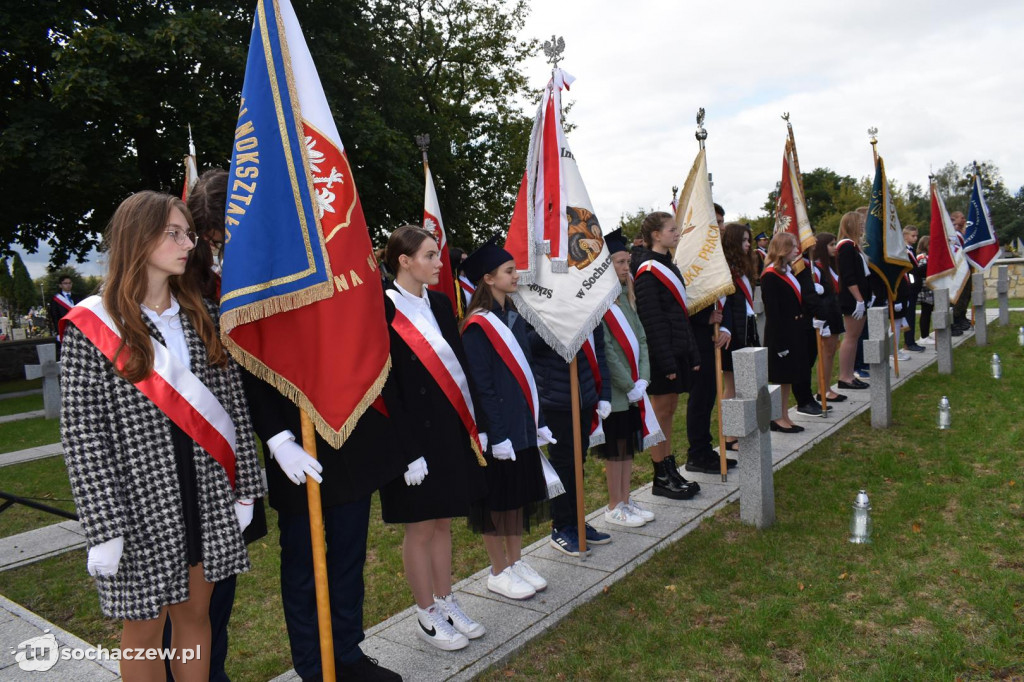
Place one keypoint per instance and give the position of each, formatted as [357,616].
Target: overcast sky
[941,81]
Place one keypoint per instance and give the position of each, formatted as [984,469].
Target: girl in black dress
[926,296]
[516,488]
[828,277]
[854,294]
[784,322]
[736,244]
[428,363]
[660,302]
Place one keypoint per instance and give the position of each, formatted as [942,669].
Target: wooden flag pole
[316,534]
[823,381]
[577,451]
[895,341]
[722,458]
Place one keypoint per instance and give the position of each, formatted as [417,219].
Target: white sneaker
[528,574]
[509,584]
[639,510]
[926,341]
[458,618]
[435,628]
[903,355]
[621,516]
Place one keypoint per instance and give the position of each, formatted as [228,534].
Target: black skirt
[516,496]
[623,435]
[662,385]
[751,341]
[186,466]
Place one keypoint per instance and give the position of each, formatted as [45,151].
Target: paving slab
[30,454]
[33,414]
[41,543]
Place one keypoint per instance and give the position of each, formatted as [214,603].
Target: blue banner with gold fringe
[275,257]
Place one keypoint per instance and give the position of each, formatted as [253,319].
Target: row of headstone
[748,415]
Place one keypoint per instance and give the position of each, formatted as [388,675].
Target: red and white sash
[511,353]
[171,386]
[669,279]
[743,284]
[596,425]
[619,326]
[60,299]
[789,279]
[467,286]
[440,360]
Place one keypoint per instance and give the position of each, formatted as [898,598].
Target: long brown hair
[135,230]
[653,222]
[206,203]
[851,226]
[740,263]
[779,249]
[821,242]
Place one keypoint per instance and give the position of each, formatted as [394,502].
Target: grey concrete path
[29,454]
[19,394]
[41,543]
[22,415]
[571,583]
[510,624]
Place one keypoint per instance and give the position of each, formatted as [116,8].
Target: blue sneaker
[566,541]
[862,373]
[596,537]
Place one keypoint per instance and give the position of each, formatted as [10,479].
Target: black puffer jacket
[670,340]
[552,374]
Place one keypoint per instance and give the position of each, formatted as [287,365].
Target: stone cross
[978,301]
[747,417]
[876,354]
[759,313]
[942,319]
[1003,292]
[49,369]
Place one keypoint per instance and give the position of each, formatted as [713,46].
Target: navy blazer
[500,400]
[552,374]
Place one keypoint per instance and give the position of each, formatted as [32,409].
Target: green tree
[630,221]
[6,282]
[24,294]
[96,103]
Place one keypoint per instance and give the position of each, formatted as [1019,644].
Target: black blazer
[851,272]
[372,455]
[784,330]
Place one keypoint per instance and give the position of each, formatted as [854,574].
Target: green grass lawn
[1014,303]
[936,596]
[25,403]
[44,480]
[28,433]
[19,385]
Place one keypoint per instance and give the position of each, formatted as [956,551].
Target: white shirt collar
[170,312]
[420,300]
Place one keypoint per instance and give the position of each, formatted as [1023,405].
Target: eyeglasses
[179,237]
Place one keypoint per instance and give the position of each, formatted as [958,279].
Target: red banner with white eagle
[432,221]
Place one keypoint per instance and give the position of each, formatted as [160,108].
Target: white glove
[858,312]
[826,332]
[604,408]
[243,512]
[104,557]
[901,324]
[416,472]
[504,450]
[897,308]
[818,324]
[296,463]
[483,440]
[872,301]
[637,393]
[818,289]
[545,437]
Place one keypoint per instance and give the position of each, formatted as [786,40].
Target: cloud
[938,79]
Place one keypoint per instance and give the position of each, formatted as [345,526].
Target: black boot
[680,481]
[666,486]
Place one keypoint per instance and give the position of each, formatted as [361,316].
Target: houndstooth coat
[120,460]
